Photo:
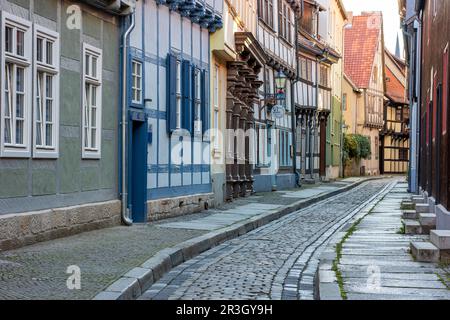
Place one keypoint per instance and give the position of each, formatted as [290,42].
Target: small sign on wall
[278,112]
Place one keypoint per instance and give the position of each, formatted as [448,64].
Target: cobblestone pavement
[39,271]
[277,261]
[376,262]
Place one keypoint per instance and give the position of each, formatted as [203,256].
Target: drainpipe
[125,212]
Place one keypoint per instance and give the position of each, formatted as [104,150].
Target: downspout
[125,212]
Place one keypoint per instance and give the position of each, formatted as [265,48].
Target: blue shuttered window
[171,93]
[204,103]
[186,114]
[196,97]
[187,94]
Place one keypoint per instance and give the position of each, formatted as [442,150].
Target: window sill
[265,24]
[91,156]
[285,41]
[45,154]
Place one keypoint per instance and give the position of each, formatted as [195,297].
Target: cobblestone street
[39,271]
[277,261]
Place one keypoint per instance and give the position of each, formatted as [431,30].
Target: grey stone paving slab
[376,249]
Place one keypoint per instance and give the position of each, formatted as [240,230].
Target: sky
[391,18]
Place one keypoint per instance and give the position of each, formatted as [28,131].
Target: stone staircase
[422,220]
[419,220]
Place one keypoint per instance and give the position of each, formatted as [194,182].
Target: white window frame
[136,85]
[13,149]
[90,151]
[48,69]
[198,100]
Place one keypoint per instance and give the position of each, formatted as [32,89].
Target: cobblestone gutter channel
[134,283]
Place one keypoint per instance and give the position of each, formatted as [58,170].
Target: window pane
[39,133]
[49,135]
[86,107]
[138,95]
[49,86]
[7,89]
[9,39]
[49,51]
[94,96]
[39,49]
[49,111]
[94,67]
[19,132]
[86,67]
[20,79]
[7,131]
[94,117]
[20,44]
[94,137]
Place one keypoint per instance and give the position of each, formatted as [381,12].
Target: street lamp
[280,84]
[280,92]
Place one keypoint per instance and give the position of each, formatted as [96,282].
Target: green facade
[29,184]
[334,133]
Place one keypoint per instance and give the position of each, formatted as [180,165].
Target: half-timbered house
[167,164]
[364,66]
[274,134]
[394,138]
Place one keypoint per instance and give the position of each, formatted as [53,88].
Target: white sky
[391,18]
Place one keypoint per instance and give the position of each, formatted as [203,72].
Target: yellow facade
[238,16]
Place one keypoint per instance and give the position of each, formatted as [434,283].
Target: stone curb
[138,280]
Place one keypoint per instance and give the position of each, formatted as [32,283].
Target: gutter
[126,219]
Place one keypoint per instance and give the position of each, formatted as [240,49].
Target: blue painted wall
[182,30]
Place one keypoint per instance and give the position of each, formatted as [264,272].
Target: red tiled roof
[361,43]
[395,90]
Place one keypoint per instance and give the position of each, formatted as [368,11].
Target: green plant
[402,229]
[356,147]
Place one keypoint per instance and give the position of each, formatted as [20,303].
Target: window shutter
[194,96]
[205,104]
[171,74]
[186,114]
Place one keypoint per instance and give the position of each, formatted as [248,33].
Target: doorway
[138,163]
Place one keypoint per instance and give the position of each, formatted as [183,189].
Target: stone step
[424,252]
[441,239]
[427,221]
[412,227]
[422,208]
[410,214]
[418,199]
[407,205]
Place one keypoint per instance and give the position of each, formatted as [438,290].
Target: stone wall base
[173,207]
[442,218]
[22,229]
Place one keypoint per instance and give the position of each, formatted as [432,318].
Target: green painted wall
[69,176]
[334,132]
